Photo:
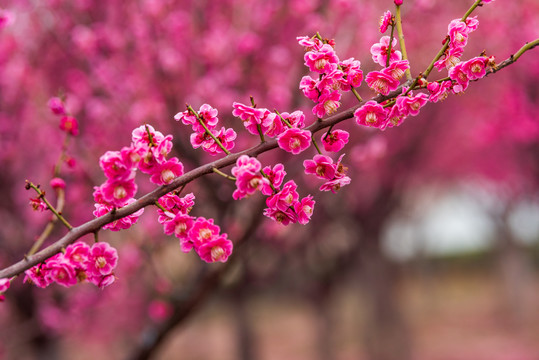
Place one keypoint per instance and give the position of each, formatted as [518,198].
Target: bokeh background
[430,253]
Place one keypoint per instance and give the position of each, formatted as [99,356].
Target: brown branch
[150,198]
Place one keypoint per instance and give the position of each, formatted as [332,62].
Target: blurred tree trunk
[244,330]
[515,272]
[386,335]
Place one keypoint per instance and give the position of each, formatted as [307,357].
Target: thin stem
[215,170]
[259,128]
[329,132]
[50,225]
[353,89]
[315,144]
[208,130]
[41,195]
[389,48]
[161,207]
[283,119]
[398,21]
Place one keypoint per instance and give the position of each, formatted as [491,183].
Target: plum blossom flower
[335,184]
[202,230]
[475,68]
[283,217]
[381,82]
[371,114]
[328,103]
[322,166]
[450,58]
[57,183]
[458,74]
[335,141]
[115,165]
[352,73]
[206,113]
[180,225]
[310,43]
[285,198]
[61,271]
[56,105]
[385,21]
[321,60]
[215,249]
[118,191]
[70,125]
[410,105]
[397,69]
[252,117]
[166,172]
[304,209]
[294,140]
[275,178]
[102,259]
[248,177]
[438,91]
[37,275]
[38,204]
[379,51]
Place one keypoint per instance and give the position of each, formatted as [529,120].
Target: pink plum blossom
[309,88]
[166,172]
[294,140]
[61,271]
[397,69]
[56,105]
[322,166]
[438,91]
[458,74]
[304,209]
[450,58]
[102,259]
[215,249]
[379,51]
[310,43]
[335,184]
[475,68]
[285,198]
[180,225]
[120,224]
[328,103]
[353,75]
[283,217]
[206,114]
[381,82]
[252,117]
[202,230]
[275,177]
[371,114]
[57,183]
[410,105]
[115,165]
[118,191]
[385,21]
[70,125]
[321,60]
[335,141]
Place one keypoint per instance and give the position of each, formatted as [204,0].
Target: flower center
[205,234]
[295,143]
[100,262]
[180,228]
[167,176]
[371,117]
[320,64]
[331,106]
[120,192]
[217,253]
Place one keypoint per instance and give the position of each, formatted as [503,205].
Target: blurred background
[432,252]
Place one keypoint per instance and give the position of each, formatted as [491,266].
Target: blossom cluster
[79,262]
[322,166]
[198,233]
[286,127]
[204,124]
[67,122]
[284,204]
[334,75]
[147,153]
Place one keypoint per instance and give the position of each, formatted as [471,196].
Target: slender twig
[41,195]
[208,130]
[400,33]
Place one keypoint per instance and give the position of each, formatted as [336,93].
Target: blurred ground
[452,316]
